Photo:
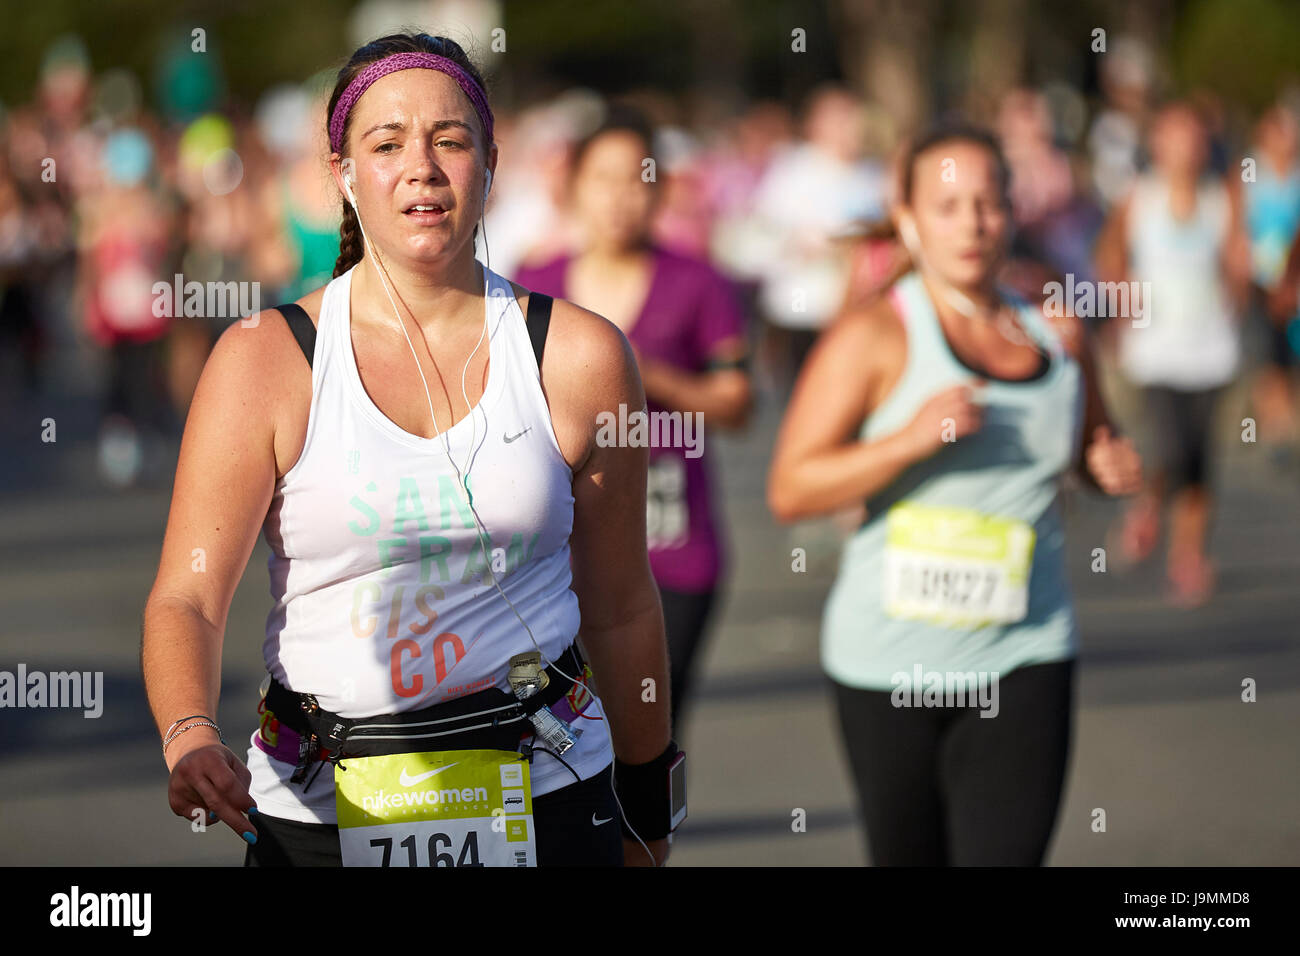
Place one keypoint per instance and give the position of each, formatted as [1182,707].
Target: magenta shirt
[689,309]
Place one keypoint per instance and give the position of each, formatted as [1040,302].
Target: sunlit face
[415,140]
[612,202]
[960,211]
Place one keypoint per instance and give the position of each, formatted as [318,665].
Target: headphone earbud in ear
[911,238]
[348,180]
[487,185]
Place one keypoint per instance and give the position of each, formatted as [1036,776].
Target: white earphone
[911,238]
[349,180]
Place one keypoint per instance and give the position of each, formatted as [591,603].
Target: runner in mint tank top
[685,325]
[453,565]
[953,410]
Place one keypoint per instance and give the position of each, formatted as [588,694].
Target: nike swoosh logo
[509,439]
[596,823]
[412,781]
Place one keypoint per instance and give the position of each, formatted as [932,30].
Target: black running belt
[539,321]
[301,325]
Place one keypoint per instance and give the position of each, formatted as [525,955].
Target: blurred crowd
[102,195]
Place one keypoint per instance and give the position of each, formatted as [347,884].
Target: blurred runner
[20,253]
[1115,139]
[1272,209]
[223,224]
[524,225]
[1180,235]
[298,197]
[813,197]
[955,412]
[125,231]
[687,331]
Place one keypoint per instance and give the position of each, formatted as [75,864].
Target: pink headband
[407,61]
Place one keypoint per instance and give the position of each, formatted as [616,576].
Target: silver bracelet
[181,720]
[197,723]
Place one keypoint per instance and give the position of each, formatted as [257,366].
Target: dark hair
[618,118]
[951,131]
[351,248]
[947,131]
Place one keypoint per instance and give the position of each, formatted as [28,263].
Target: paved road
[1187,773]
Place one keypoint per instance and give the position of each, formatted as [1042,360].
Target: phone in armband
[677,791]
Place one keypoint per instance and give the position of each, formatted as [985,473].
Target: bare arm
[1236,250]
[622,620]
[819,465]
[224,480]
[722,395]
[1282,301]
[622,627]
[1111,252]
[1107,462]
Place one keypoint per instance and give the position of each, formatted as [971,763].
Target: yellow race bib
[956,567]
[444,808]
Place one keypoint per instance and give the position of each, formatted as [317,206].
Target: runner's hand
[1114,463]
[211,778]
[946,416]
[634,854]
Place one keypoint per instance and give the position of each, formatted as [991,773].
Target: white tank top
[1192,341]
[383,603]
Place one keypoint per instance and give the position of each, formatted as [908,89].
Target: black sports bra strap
[538,320]
[301,325]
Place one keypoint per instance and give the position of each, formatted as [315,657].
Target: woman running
[688,334]
[427,701]
[954,412]
[1180,233]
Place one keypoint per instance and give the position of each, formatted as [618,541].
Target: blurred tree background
[913,57]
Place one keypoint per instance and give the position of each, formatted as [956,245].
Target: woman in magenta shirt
[684,323]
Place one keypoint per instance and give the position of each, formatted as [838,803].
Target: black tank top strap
[301,325]
[538,320]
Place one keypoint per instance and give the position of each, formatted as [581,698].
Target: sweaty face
[418,155]
[612,202]
[960,211]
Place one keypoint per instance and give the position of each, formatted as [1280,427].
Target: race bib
[666,519]
[449,808]
[956,567]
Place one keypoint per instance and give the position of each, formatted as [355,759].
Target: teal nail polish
[252,810]
[250,837]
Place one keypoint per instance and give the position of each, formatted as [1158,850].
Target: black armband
[643,792]
[720,364]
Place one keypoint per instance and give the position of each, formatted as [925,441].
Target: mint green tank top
[944,574]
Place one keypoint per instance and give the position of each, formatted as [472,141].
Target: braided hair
[351,244]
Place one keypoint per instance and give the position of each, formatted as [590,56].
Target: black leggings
[685,617]
[565,832]
[946,787]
